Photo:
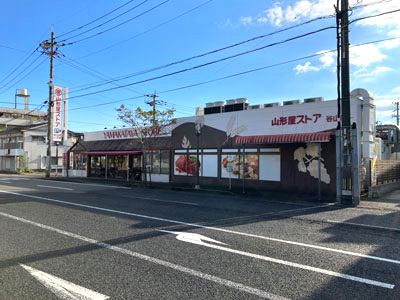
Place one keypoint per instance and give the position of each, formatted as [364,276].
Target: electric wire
[104,23]
[236,74]
[95,20]
[118,25]
[146,31]
[90,71]
[206,53]
[17,67]
[211,52]
[208,63]
[374,16]
[13,84]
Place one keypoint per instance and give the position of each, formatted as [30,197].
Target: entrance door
[135,166]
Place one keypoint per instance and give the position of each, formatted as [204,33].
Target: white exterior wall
[158,177]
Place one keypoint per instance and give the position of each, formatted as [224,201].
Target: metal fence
[387,171]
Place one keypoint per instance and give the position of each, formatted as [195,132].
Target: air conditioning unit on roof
[272,104]
[291,102]
[313,100]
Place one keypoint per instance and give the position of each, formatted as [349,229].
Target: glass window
[209,166]
[164,161]
[270,167]
[156,162]
[148,160]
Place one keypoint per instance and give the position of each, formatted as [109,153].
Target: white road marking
[54,187]
[90,184]
[215,279]
[394,261]
[3,181]
[364,225]
[198,240]
[64,289]
[167,201]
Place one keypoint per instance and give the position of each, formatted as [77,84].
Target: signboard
[126,133]
[286,119]
[373,167]
[57,103]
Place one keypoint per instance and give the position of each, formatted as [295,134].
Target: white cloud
[368,75]
[396,90]
[246,20]
[307,67]
[384,104]
[365,55]
[327,59]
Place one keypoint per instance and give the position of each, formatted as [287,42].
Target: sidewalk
[390,201]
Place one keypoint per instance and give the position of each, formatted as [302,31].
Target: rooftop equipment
[291,102]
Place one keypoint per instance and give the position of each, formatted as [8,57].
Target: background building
[23,138]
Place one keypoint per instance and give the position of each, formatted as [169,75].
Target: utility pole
[347,174]
[48,48]
[396,111]
[153,104]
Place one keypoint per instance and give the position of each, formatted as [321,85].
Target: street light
[199,123]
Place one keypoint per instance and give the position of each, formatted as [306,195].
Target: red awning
[284,138]
[112,152]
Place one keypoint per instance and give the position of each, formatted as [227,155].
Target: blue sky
[146,42]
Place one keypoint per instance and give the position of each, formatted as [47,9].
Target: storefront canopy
[112,152]
[284,138]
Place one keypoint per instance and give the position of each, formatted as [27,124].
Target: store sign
[303,119]
[285,119]
[57,111]
[130,133]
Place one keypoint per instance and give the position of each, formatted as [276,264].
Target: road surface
[68,240]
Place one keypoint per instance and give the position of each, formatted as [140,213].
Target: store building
[271,146]
[118,154]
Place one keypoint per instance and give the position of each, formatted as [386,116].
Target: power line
[95,20]
[146,31]
[206,54]
[12,48]
[118,25]
[358,6]
[17,67]
[90,71]
[374,16]
[236,74]
[27,74]
[104,23]
[208,63]
[211,52]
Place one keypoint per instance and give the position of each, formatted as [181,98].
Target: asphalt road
[65,240]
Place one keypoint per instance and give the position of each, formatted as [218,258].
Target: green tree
[147,125]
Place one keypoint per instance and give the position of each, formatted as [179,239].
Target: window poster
[185,164]
[233,163]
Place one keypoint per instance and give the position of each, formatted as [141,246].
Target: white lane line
[54,187]
[198,240]
[221,281]
[167,201]
[394,261]
[364,225]
[2,181]
[90,184]
[64,289]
